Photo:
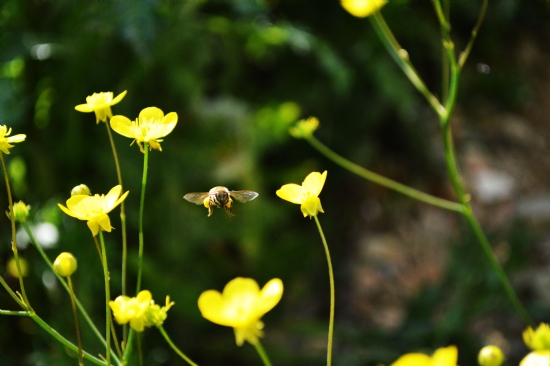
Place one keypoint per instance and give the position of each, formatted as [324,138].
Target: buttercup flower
[362,8]
[447,356]
[94,209]
[536,358]
[241,306]
[307,194]
[538,339]
[100,104]
[65,264]
[490,356]
[132,309]
[6,141]
[150,127]
[304,128]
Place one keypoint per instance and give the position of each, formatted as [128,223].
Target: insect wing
[196,197]
[243,196]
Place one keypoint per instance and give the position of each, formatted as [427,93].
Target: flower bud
[11,267]
[65,264]
[304,128]
[81,189]
[21,211]
[362,8]
[156,315]
[490,356]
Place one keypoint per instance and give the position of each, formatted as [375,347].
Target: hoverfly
[220,197]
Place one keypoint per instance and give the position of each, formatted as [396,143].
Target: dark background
[409,277]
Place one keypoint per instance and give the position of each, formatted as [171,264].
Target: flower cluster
[140,311]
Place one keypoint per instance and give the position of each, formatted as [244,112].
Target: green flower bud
[65,264]
[490,356]
[81,189]
[304,128]
[21,211]
[156,315]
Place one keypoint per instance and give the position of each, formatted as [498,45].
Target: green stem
[176,349]
[79,341]
[122,223]
[11,293]
[13,235]
[141,205]
[128,346]
[262,353]
[332,293]
[401,57]
[62,340]
[107,299]
[14,313]
[383,181]
[464,55]
[140,355]
[83,311]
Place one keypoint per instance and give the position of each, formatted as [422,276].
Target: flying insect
[220,197]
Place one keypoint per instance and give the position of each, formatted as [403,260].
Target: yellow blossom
[241,306]
[304,128]
[536,358]
[362,8]
[538,339]
[6,141]
[94,209]
[100,104]
[20,211]
[65,264]
[132,309]
[447,356]
[150,127]
[307,194]
[490,356]
[156,315]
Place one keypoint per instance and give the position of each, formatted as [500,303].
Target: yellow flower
[538,339]
[5,141]
[307,194]
[362,8]
[132,309]
[151,125]
[447,356]
[156,315]
[490,356]
[536,358]
[100,104]
[20,211]
[94,209]
[304,128]
[241,306]
[65,264]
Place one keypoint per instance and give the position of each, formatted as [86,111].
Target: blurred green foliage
[239,73]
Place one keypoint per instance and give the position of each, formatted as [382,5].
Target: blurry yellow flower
[20,211]
[538,339]
[94,209]
[156,315]
[100,103]
[536,358]
[150,127]
[65,264]
[132,309]
[5,141]
[307,194]
[490,356]
[447,356]
[362,8]
[11,267]
[241,306]
[304,128]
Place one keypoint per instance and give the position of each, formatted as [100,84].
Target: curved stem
[107,299]
[383,181]
[401,57]
[79,341]
[13,235]
[176,349]
[332,293]
[141,205]
[464,55]
[11,293]
[262,353]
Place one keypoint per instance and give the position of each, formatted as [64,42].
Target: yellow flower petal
[447,356]
[536,358]
[314,182]
[123,126]
[112,196]
[270,295]
[151,115]
[311,206]
[118,98]
[362,8]
[66,210]
[86,108]
[292,193]
[211,305]
[104,222]
[94,226]
[413,359]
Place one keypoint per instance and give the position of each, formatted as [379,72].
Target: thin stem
[78,339]
[122,223]
[332,293]
[64,284]
[141,204]
[176,349]
[445,60]
[14,313]
[128,346]
[98,250]
[115,338]
[383,181]
[401,57]
[107,299]
[13,234]
[140,355]
[12,294]
[262,353]
[464,55]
